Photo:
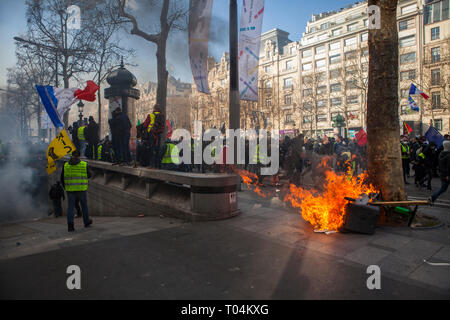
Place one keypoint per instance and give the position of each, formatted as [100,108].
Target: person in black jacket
[123,130]
[115,132]
[56,193]
[75,140]
[444,168]
[429,152]
[93,138]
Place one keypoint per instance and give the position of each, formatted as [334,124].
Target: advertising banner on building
[249,45]
[199,23]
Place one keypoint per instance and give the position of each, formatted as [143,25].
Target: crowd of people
[298,155]
[427,160]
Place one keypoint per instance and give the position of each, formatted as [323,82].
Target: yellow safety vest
[152,121]
[257,158]
[405,152]
[81,133]
[171,155]
[75,177]
[99,152]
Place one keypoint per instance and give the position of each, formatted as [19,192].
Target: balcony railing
[436,59]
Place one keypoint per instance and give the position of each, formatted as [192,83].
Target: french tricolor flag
[57,101]
[414,90]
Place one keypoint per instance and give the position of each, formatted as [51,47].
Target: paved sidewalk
[268,252]
[422,193]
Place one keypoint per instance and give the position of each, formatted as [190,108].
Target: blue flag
[433,135]
[412,104]
[50,103]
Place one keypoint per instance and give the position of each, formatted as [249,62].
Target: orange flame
[251,180]
[324,210]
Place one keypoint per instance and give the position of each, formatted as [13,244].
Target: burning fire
[324,210]
[251,179]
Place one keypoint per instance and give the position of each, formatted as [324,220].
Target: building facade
[305,85]
[178,102]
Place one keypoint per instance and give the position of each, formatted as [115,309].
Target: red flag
[361,137]
[169,129]
[88,94]
[408,128]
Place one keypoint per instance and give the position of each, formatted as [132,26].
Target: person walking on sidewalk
[56,193]
[444,168]
[74,177]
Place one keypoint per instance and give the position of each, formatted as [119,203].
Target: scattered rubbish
[68,239]
[327,232]
[141,216]
[437,264]
[234,269]
[257,206]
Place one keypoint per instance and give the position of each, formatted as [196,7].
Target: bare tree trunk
[66,85]
[163,75]
[384,156]
[99,100]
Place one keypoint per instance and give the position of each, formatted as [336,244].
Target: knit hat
[447,146]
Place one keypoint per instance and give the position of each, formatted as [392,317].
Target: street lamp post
[234,71]
[80,112]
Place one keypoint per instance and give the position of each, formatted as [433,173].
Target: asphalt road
[194,262]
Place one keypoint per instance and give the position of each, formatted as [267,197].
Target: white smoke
[23,187]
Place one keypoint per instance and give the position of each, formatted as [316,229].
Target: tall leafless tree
[107,49]
[172,17]
[31,69]
[48,26]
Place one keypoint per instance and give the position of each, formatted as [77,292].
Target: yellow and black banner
[58,148]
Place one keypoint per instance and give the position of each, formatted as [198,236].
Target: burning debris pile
[325,210]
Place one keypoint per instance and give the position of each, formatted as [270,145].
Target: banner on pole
[199,23]
[58,148]
[249,46]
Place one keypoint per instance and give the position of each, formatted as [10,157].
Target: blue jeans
[444,187]
[71,197]
[57,207]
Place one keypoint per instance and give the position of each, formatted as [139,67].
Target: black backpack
[160,124]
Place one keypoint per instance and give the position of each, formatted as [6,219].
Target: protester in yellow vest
[155,126]
[82,139]
[406,155]
[99,152]
[74,178]
[171,159]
